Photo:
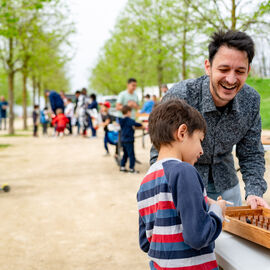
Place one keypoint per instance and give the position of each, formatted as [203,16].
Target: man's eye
[240,72]
[223,70]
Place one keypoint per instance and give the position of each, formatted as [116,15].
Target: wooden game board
[253,225]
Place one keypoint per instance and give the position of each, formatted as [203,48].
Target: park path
[69,207]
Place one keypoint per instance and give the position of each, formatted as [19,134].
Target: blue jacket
[148,106]
[56,101]
[127,129]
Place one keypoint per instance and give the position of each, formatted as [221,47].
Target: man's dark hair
[77,92]
[232,39]
[126,109]
[168,116]
[131,80]
[147,96]
[93,96]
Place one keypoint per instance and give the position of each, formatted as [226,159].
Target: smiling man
[231,109]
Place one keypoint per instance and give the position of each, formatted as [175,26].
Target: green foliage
[161,41]
[262,86]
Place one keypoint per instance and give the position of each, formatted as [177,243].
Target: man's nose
[231,78]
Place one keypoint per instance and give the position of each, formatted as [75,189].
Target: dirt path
[69,207]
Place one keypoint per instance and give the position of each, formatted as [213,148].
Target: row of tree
[33,34]
[162,41]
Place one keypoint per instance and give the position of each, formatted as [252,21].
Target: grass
[4,145]
[263,87]
[15,135]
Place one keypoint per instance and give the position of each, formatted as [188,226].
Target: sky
[94,19]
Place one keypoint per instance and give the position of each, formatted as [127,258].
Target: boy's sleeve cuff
[217,210]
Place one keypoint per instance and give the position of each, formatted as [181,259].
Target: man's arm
[119,102]
[250,153]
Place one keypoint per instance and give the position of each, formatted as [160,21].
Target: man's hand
[132,104]
[255,201]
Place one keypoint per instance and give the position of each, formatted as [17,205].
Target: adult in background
[129,98]
[164,89]
[93,113]
[231,109]
[76,111]
[3,112]
[148,105]
[56,102]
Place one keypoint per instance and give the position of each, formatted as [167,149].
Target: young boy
[36,120]
[44,120]
[127,139]
[60,122]
[177,227]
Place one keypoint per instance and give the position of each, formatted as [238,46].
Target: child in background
[60,122]
[69,112]
[177,227]
[107,119]
[36,120]
[44,120]
[127,139]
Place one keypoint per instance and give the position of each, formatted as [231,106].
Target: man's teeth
[228,87]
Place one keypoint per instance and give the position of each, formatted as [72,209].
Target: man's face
[2,98]
[228,73]
[132,87]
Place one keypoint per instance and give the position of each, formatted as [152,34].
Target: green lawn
[4,145]
[263,87]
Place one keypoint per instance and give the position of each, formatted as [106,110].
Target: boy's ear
[181,132]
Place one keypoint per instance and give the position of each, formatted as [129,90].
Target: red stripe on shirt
[168,238]
[205,266]
[162,205]
[152,176]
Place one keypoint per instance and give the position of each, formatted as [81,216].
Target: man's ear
[182,132]
[249,68]
[207,67]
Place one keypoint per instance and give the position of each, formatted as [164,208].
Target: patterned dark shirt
[239,124]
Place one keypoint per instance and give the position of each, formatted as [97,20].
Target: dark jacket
[127,129]
[56,101]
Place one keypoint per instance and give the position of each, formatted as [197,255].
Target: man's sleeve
[250,153]
[120,98]
[200,226]
[144,243]
[136,124]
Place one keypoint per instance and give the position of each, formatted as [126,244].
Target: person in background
[76,111]
[36,120]
[60,122]
[107,119]
[56,101]
[82,109]
[63,96]
[127,139]
[148,105]
[44,120]
[3,112]
[69,112]
[164,89]
[155,99]
[128,97]
[93,111]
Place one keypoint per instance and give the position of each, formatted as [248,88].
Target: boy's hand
[210,201]
[222,205]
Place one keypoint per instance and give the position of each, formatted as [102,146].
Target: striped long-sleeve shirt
[176,228]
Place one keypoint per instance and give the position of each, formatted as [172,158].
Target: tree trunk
[11,102]
[39,91]
[184,54]
[11,74]
[233,15]
[24,100]
[34,90]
